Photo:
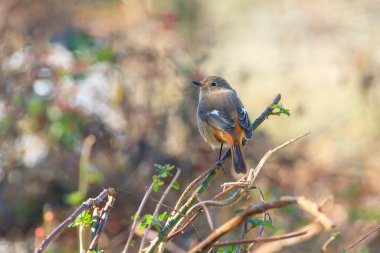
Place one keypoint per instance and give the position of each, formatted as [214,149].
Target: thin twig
[186,225]
[85,205]
[312,208]
[237,220]
[364,237]
[102,223]
[263,116]
[261,240]
[158,206]
[190,187]
[244,231]
[207,213]
[195,209]
[170,247]
[276,246]
[254,173]
[137,216]
[332,238]
[184,216]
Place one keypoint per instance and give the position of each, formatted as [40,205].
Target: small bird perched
[222,118]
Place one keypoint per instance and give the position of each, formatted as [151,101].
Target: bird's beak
[197,83]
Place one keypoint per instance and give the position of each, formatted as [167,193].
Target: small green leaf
[84,219]
[158,167]
[176,185]
[282,110]
[156,187]
[228,249]
[239,211]
[258,222]
[145,221]
[164,216]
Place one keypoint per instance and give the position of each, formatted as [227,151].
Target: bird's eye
[213,84]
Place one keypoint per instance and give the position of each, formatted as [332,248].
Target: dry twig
[276,246]
[137,216]
[364,237]
[261,240]
[85,205]
[237,220]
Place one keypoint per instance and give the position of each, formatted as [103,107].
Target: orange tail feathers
[238,158]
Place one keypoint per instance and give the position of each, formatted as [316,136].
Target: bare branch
[261,240]
[191,186]
[237,220]
[254,173]
[207,213]
[85,205]
[312,208]
[312,230]
[364,237]
[138,213]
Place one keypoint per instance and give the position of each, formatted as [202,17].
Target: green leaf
[84,219]
[258,222]
[145,221]
[158,167]
[228,249]
[239,211]
[157,185]
[176,185]
[282,110]
[164,216]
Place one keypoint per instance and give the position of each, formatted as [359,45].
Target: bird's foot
[219,164]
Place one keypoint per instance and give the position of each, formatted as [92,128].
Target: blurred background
[104,87]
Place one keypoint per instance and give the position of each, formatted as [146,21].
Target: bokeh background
[106,86]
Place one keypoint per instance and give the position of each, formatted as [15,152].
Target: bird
[222,119]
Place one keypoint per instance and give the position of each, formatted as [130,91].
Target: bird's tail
[238,158]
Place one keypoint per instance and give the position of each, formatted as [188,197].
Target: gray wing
[245,122]
[219,119]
